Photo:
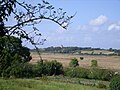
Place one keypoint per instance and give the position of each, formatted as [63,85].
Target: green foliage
[48,68]
[12,55]
[27,71]
[94,73]
[94,63]
[115,83]
[74,62]
[53,68]
[20,70]
[107,75]
[10,65]
[38,69]
[15,68]
[13,45]
[100,74]
[76,72]
[101,85]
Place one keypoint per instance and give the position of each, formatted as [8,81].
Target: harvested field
[107,62]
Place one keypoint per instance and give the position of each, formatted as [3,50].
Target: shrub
[115,83]
[107,75]
[38,69]
[27,71]
[52,67]
[49,68]
[76,72]
[94,73]
[94,63]
[20,70]
[74,62]
[70,72]
[100,74]
[57,67]
[101,85]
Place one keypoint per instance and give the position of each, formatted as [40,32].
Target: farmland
[107,62]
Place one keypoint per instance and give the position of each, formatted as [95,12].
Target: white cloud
[114,26]
[94,24]
[98,21]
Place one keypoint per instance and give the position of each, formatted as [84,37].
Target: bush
[76,72]
[52,67]
[15,67]
[94,63]
[74,62]
[26,70]
[18,68]
[100,74]
[48,68]
[115,83]
[101,85]
[94,73]
[21,70]
[107,75]
[38,69]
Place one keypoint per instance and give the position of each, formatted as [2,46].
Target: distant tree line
[78,50]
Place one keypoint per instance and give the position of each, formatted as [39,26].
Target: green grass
[31,84]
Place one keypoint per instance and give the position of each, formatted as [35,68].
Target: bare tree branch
[30,15]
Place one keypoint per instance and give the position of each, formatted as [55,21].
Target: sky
[96,24]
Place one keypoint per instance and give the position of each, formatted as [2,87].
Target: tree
[12,54]
[29,16]
[10,47]
[14,46]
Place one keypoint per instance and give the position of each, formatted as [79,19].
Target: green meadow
[31,84]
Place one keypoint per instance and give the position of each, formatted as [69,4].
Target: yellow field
[108,62]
